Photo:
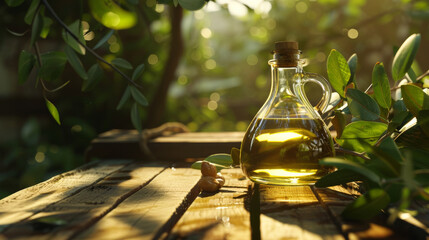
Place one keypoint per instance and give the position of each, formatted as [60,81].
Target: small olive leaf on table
[53,111]
[219,160]
[77,29]
[138,96]
[423,121]
[75,62]
[380,84]
[53,64]
[357,136]
[362,106]
[192,5]
[135,117]
[104,39]
[414,98]
[235,156]
[122,63]
[339,177]
[36,28]
[25,65]
[31,11]
[95,74]
[353,166]
[367,206]
[404,57]
[338,71]
[352,62]
[124,98]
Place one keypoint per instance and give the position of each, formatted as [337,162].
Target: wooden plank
[220,215]
[125,144]
[32,200]
[146,213]
[293,212]
[83,209]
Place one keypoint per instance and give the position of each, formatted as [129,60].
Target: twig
[53,90]
[342,150]
[423,75]
[387,134]
[67,29]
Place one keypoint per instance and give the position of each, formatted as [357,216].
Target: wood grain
[294,212]
[34,199]
[81,210]
[125,144]
[144,214]
[220,215]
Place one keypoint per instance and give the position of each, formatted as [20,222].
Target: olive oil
[285,151]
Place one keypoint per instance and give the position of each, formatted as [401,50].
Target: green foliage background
[220,82]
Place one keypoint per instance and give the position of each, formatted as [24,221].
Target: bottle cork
[285,46]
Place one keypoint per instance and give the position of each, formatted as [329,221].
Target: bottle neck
[282,80]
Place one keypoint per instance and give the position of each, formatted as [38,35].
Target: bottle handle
[326,90]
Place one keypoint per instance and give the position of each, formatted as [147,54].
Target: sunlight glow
[182,80]
[237,9]
[159,8]
[215,97]
[352,33]
[152,59]
[301,7]
[40,157]
[280,136]
[212,105]
[285,173]
[206,32]
[252,60]
[210,64]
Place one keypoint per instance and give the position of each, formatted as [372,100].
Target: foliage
[370,146]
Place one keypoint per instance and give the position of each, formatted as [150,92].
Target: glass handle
[326,90]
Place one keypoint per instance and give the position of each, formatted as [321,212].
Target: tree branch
[158,104]
[90,50]
[342,150]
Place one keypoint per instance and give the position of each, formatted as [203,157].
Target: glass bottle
[287,137]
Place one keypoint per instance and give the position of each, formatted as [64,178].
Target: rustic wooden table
[126,199]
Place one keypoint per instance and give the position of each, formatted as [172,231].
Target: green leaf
[138,96]
[407,172]
[339,122]
[104,39]
[380,84]
[95,74]
[47,22]
[404,57]
[14,3]
[36,29]
[25,65]
[138,72]
[400,113]
[31,11]
[339,177]
[338,71]
[220,159]
[197,165]
[235,155]
[53,111]
[352,62]
[386,159]
[353,166]
[419,156]
[124,98]
[76,63]
[423,121]
[358,135]
[367,206]
[192,5]
[135,117]
[414,98]
[77,30]
[412,75]
[111,15]
[122,63]
[52,65]
[362,106]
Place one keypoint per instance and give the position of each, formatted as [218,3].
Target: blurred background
[206,69]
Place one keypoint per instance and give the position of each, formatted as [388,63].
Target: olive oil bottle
[287,138]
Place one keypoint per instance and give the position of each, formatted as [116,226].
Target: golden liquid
[285,151]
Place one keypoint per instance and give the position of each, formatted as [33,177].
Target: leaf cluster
[48,67]
[370,126]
